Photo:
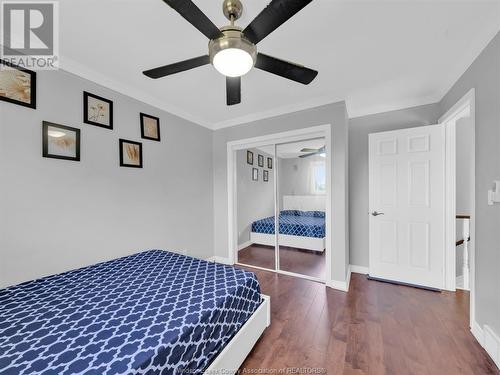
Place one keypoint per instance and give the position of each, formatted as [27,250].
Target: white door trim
[467,102]
[283,137]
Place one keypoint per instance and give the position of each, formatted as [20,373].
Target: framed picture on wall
[130,154]
[255,174]
[250,157]
[17,85]
[270,163]
[265,175]
[150,127]
[260,160]
[97,111]
[60,142]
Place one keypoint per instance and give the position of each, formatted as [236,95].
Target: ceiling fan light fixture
[233,62]
[232,50]
[232,55]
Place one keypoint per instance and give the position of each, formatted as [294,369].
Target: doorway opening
[459,123]
[282,183]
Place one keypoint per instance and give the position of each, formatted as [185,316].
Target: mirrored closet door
[301,201]
[282,185]
[255,207]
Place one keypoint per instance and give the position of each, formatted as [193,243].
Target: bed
[149,313]
[301,224]
[299,229]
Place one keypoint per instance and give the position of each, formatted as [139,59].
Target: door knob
[375,213]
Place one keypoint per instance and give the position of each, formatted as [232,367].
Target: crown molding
[301,106]
[394,106]
[73,67]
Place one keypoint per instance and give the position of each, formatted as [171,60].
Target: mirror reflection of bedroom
[255,202]
[289,178]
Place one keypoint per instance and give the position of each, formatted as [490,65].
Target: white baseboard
[489,340]
[244,244]
[478,333]
[492,344]
[359,269]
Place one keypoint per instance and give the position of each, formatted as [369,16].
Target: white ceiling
[378,55]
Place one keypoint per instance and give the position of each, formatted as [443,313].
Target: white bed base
[300,242]
[234,353]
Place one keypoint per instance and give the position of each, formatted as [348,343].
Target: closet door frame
[321,131]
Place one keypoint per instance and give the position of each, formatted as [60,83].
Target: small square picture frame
[21,79]
[265,175]
[270,163]
[60,141]
[255,174]
[249,157]
[150,127]
[260,160]
[129,151]
[96,107]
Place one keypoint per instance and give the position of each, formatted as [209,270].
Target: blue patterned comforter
[294,223]
[149,313]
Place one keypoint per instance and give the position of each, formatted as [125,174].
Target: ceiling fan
[232,50]
[313,151]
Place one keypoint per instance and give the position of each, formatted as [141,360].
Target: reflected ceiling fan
[313,151]
[232,50]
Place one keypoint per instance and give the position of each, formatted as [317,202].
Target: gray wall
[359,128]
[484,76]
[57,215]
[464,174]
[294,178]
[255,199]
[334,114]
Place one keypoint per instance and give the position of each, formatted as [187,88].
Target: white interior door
[407,205]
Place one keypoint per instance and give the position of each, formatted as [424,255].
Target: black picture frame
[265,175]
[45,141]
[122,163]
[270,163]
[249,157]
[143,135]
[32,103]
[260,160]
[86,120]
[255,174]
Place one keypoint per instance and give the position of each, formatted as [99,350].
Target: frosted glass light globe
[233,62]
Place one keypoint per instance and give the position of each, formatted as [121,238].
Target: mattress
[149,313]
[294,223]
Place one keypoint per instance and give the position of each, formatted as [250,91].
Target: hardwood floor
[376,328]
[305,262]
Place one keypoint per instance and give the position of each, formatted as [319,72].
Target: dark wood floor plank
[375,329]
[304,262]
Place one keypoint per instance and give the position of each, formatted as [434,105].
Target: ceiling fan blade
[313,151]
[233,90]
[193,14]
[177,67]
[276,13]
[285,69]
[307,155]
